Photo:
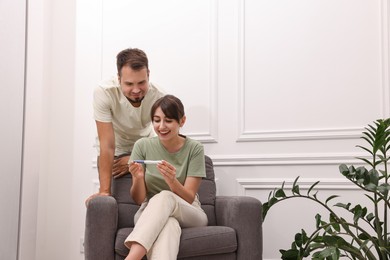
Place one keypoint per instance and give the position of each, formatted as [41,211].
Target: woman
[167,190]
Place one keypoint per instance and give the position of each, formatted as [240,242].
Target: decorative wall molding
[269,184]
[302,134]
[279,159]
[212,135]
[286,159]
[205,137]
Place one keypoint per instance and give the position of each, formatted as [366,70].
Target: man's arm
[106,159]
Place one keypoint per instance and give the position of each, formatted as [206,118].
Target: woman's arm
[186,191]
[138,187]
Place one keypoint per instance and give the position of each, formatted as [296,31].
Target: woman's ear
[182,121]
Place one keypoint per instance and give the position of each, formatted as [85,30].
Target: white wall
[274,89]
[48,153]
[12,74]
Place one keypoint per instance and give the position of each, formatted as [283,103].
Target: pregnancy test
[147,161]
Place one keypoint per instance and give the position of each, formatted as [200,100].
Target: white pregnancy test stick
[147,161]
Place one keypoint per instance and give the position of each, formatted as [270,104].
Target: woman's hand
[138,188]
[137,170]
[188,190]
[168,171]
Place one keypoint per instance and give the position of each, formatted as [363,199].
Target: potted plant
[334,236]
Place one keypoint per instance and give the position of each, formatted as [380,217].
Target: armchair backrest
[127,207]
[207,192]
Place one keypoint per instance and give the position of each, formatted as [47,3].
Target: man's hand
[95,195]
[120,166]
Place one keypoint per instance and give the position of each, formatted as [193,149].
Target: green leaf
[280,193]
[333,222]
[272,201]
[332,240]
[374,177]
[312,186]
[295,181]
[364,148]
[265,209]
[329,252]
[370,187]
[295,188]
[384,189]
[318,220]
[314,246]
[330,198]
[343,169]
[300,238]
[370,217]
[357,213]
[363,236]
[342,205]
[365,160]
[351,169]
[368,136]
[269,195]
[291,254]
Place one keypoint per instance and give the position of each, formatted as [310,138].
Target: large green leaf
[291,254]
[328,253]
[334,223]
[301,238]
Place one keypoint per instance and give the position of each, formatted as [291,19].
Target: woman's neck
[174,145]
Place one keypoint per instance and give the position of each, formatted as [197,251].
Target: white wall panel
[180,41]
[310,68]
[13,15]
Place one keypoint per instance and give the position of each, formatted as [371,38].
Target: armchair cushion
[193,242]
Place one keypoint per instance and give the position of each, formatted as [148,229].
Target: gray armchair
[234,230]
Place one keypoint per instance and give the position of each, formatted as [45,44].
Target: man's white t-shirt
[130,123]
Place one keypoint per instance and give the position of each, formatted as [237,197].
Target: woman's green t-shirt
[188,161]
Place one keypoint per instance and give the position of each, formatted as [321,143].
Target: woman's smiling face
[166,128]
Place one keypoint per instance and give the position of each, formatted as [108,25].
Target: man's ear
[182,121]
[119,78]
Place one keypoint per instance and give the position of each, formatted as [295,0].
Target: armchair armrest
[244,215]
[100,228]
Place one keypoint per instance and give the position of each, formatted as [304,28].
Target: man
[122,114]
